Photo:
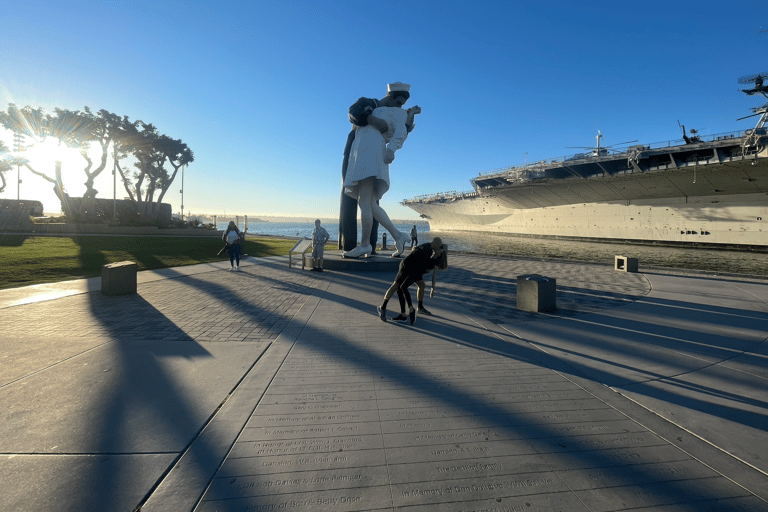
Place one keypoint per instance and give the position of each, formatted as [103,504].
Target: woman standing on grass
[232,238]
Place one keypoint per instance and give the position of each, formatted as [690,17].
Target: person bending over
[421,260]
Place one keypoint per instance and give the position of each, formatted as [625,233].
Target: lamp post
[182,192]
[18,147]
[114,183]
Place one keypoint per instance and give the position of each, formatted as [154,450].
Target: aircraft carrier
[698,190]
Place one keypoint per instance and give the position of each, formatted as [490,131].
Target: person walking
[232,237]
[319,237]
[421,260]
[414,236]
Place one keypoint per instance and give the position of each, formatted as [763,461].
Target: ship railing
[517,172]
[442,196]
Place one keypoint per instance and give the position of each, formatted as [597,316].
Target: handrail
[611,152]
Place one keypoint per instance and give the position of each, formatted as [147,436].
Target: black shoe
[313,269]
[423,311]
[320,269]
[373,253]
[382,313]
[401,318]
[412,315]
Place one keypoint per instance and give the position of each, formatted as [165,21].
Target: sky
[259,90]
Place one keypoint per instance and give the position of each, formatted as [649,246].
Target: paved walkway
[280,389]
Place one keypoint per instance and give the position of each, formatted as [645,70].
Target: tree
[32,123]
[79,130]
[147,151]
[151,152]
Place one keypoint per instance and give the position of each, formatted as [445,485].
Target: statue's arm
[399,135]
[360,115]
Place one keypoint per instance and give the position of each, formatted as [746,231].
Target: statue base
[381,262]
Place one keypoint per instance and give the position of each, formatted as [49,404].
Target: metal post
[114,184]
[182,192]
[18,141]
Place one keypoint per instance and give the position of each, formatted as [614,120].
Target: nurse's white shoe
[360,250]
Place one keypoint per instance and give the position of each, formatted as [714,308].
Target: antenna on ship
[753,136]
[600,151]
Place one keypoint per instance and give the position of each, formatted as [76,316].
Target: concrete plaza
[280,389]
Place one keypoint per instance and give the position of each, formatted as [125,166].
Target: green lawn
[33,260]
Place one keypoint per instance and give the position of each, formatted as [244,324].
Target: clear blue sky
[260,90]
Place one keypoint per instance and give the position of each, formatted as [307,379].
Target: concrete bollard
[118,278]
[536,293]
[626,264]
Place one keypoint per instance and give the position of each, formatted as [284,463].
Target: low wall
[103,229]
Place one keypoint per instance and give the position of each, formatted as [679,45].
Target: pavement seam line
[197,436]
[710,443]
[56,363]
[234,441]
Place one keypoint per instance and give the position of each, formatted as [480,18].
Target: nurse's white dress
[366,157]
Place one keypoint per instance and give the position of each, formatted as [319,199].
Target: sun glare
[42,158]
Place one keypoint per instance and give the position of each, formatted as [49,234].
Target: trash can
[536,293]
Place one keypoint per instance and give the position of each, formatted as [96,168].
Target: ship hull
[719,200]
[727,220]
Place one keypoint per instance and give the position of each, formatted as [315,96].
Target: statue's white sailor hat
[398,86]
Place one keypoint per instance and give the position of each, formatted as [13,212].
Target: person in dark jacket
[421,260]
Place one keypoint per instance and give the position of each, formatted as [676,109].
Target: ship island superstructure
[697,190]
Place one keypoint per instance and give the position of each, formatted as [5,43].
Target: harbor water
[718,260]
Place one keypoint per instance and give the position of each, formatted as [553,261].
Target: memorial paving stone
[422,493]
[450,400]
[341,500]
[433,424]
[420,472]
[319,397]
[445,392]
[639,474]
[314,419]
[320,381]
[306,446]
[596,442]
[434,412]
[308,432]
[334,387]
[579,429]
[661,493]
[740,504]
[439,437]
[457,451]
[303,481]
[614,457]
[341,374]
[564,501]
[510,399]
[301,462]
[266,409]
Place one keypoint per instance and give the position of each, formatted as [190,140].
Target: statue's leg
[366,202]
[398,237]
[347,223]
[374,232]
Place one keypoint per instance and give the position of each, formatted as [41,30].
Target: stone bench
[536,293]
[119,278]
[626,264]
